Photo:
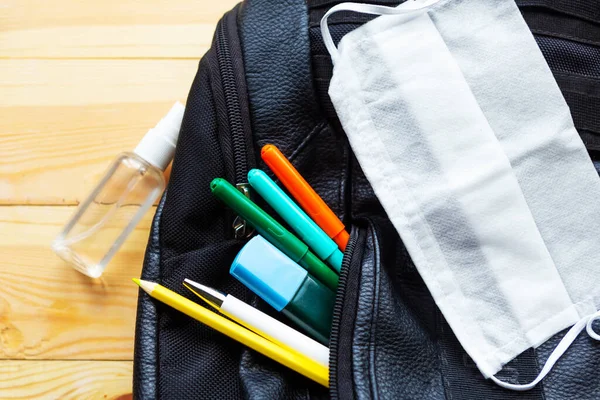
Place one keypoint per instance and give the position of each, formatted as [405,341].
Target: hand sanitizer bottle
[128,189]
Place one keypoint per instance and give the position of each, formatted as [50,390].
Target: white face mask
[460,128]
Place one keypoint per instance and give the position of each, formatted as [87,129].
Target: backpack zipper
[338,309]
[238,140]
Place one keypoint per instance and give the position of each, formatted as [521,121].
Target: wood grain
[76,380]
[80,81]
[108,29]
[47,309]
[53,83]
[54,147]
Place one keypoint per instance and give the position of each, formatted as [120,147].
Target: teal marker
[305,227]
[274,232]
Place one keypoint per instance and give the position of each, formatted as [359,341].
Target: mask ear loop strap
[565,343]
[590,329]
[405,8]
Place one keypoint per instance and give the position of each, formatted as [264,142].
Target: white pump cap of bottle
[158,145]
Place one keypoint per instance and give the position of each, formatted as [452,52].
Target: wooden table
[80,81]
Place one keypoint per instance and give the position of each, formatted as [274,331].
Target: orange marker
[305,195]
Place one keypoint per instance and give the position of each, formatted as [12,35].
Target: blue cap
[269,273]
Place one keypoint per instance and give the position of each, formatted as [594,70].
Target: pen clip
[241,229]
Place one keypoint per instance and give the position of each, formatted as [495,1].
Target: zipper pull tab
[241,228]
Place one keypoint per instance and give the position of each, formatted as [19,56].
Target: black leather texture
[285,110]
[383,350]
[389,340]
[400,345]
[274,37]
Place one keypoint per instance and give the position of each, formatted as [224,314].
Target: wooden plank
[62,121]
[92,82]
[128,41]
[50,311]
[42,13]
[65,380]
[80,82]
[108,29]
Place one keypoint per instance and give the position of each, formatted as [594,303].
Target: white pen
[260,323]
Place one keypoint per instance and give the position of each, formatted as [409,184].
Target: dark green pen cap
[286,286]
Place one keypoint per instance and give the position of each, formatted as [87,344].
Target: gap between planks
[50,311]
[108,29]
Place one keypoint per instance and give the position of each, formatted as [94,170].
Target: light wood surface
[65,380]
[50,311]
[80,81]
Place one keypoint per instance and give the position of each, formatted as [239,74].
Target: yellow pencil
[290,359]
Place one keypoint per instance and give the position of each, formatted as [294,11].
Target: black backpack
[265,80]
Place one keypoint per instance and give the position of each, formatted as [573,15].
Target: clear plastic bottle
[128,189]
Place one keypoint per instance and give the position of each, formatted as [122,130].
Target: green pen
[272,230]
[305,227]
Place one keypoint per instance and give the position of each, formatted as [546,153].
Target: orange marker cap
[305,195]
